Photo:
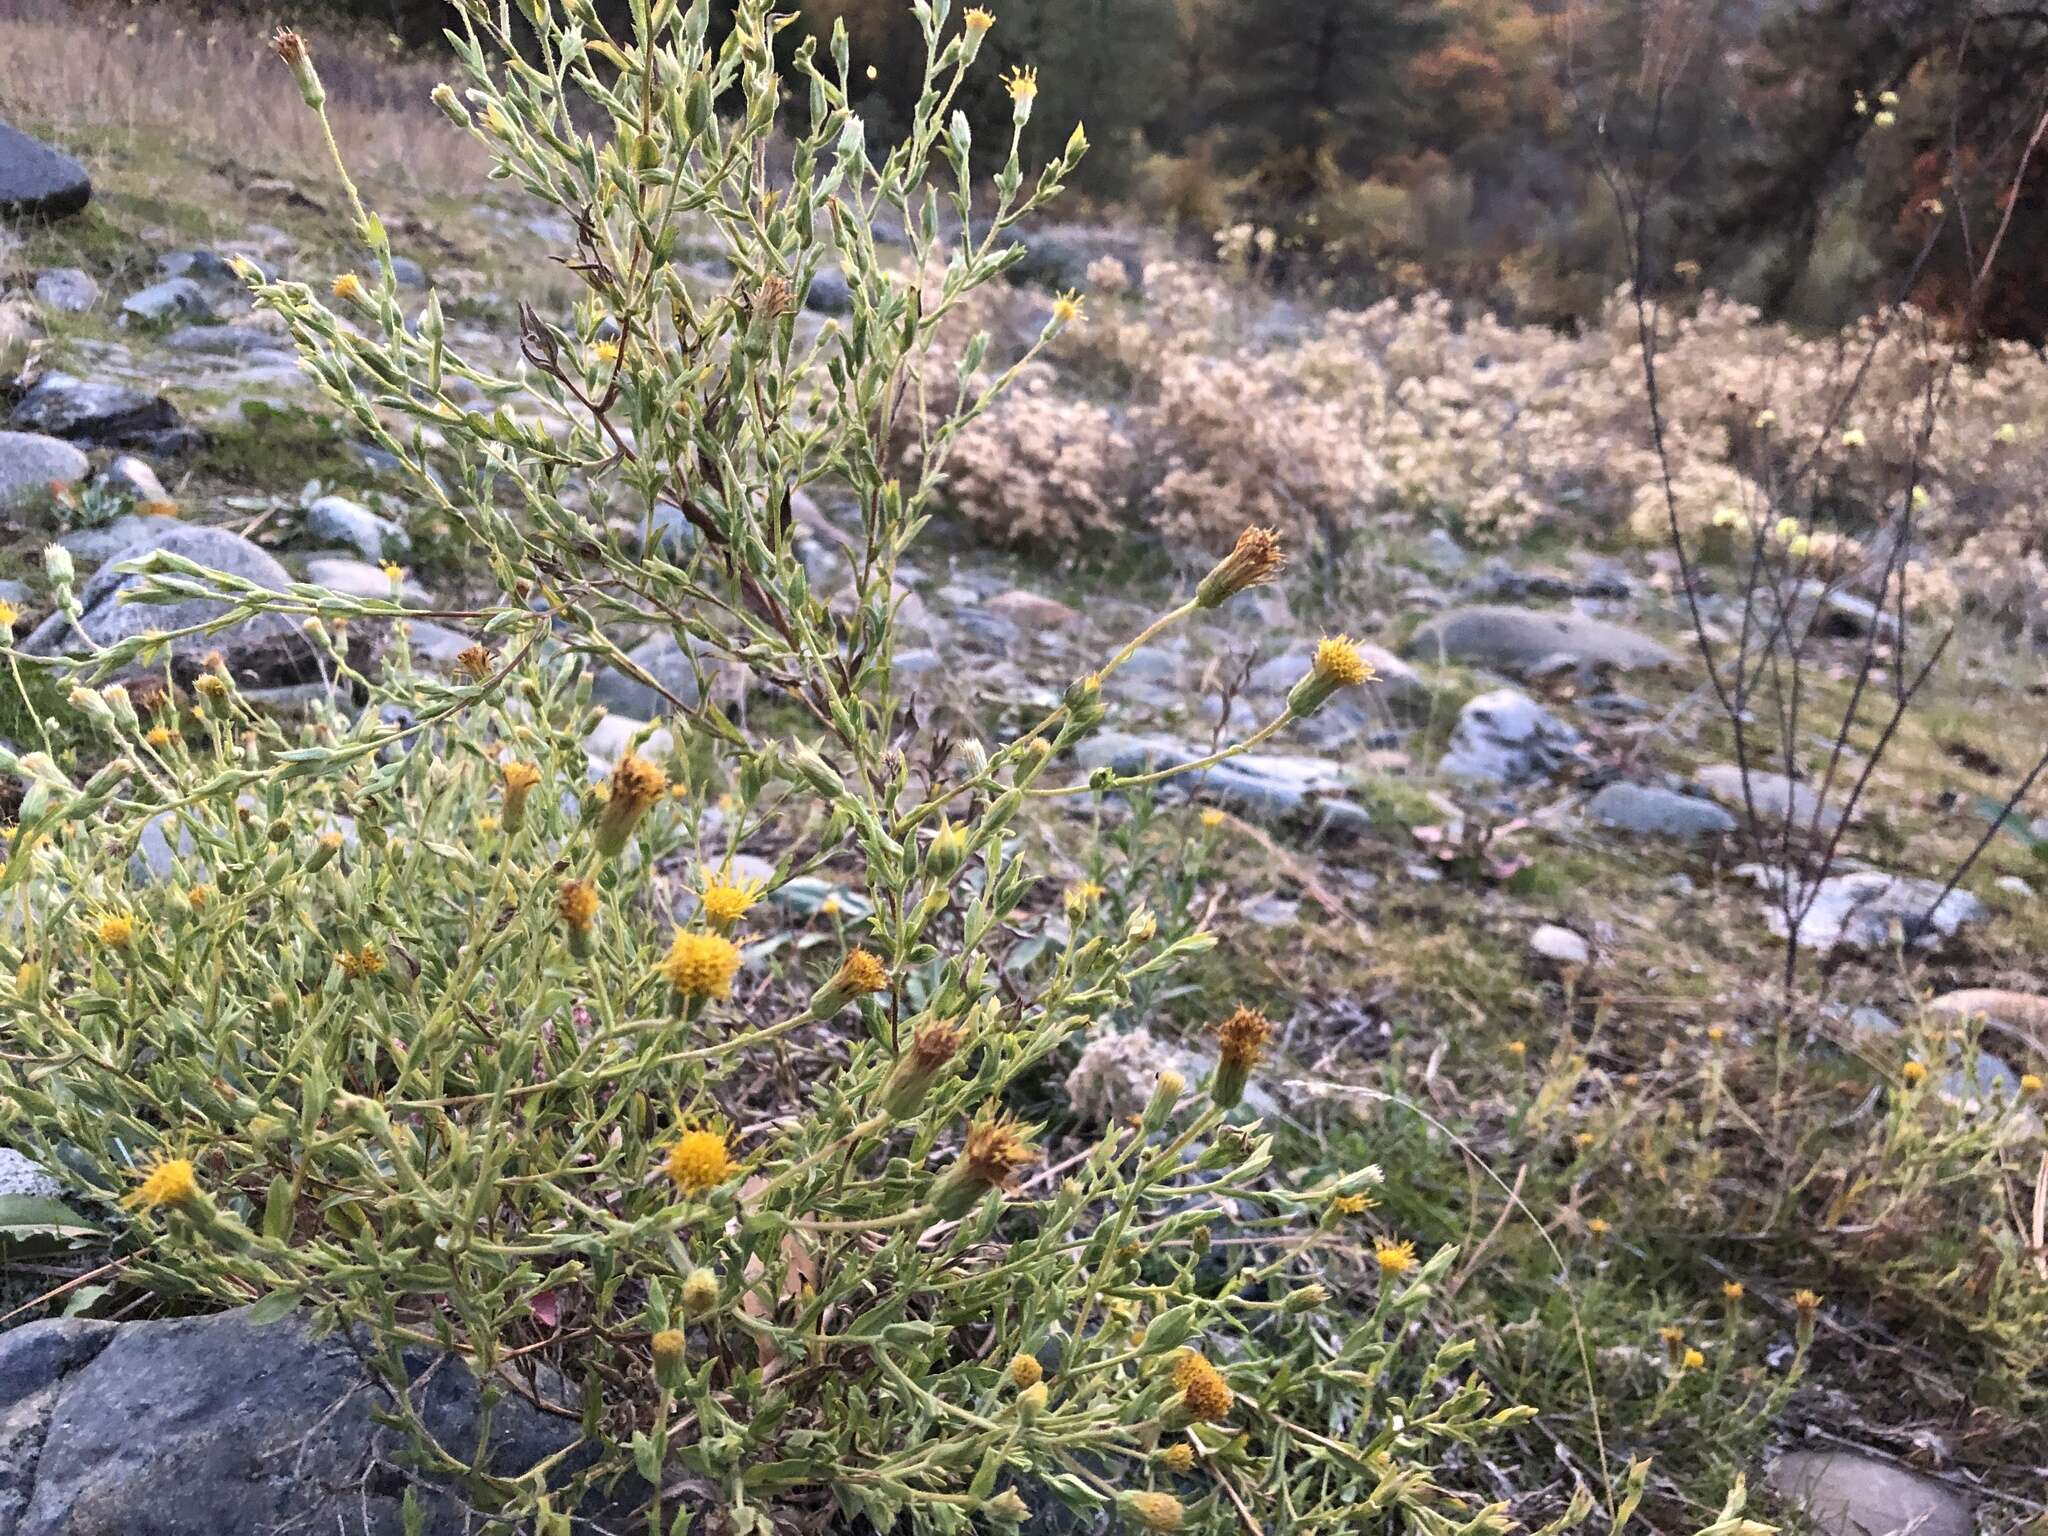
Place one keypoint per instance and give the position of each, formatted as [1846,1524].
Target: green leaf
[40,1216]
[274,1308]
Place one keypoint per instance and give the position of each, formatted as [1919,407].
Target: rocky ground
[1531,824]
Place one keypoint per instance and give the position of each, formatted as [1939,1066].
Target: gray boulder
[67,290]
[664,660]
[829,293]
[1847,1494]
[114,414]
[1517,640]
[1652,812]
[169,299]
[198,1426]
[359,578]
[1859,910]
[1773,797]
[37,182]
[29,463]
[21,1175]
[228,341]
[1507,738]
[337,520]
[267,650]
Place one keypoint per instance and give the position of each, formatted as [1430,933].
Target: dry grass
[125,75]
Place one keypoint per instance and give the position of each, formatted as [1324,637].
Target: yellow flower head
[1351,1205]
[725,899]
[1025,1371]
[699,1160]
[9,614]
[1338,660]
[1021,83]
[997,1145]
[1211,817]
[1732,1289]
[1518,1049]
[979,20]
[2030,1082]
[1914,1073]
[358,964]
[1153,1511]
[700,1292]
[167,1181]
[1691,1360]
[1202,1387]
[701,964]
[1394,1258]
[1806,1303]
[607,352]
[348,288]
[159,736]
[666,1346]
[1178,1457]
[1066,309]
[1598,1226]
[116,930]
[1854,438]
[520,780]
[1082,896]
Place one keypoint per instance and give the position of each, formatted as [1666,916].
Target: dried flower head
[699,1160]
[1806,1303]
[1025,1371]
[577,903]
[474,662]
[635,784]
[1253,561]
[997,1145]
[859,974]
[1178,1457]
[1203,1391]
[520,780]
[701,964]
[1243,1038]
[359,964]
[931,1048]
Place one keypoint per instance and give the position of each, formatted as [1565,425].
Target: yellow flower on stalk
[1518,1049]
[859,975]
[577,902]
[166,1182]
[116,930]
[1066,309]
[699,1160]
[2030,1082]
[1732,1289]
[701,964]
[1914,1073]
[1178,1457]
[1338,659]
[1201,1386]
[1152,1510]
[1394,1258]
[997,1145]
[978,19]
[359,964]
[1806,1303]
[725,899]
[1021,83]
[1854,438]
[159,736]
[348,288]
[1691,1360]
[1081,896]
[606,352]
[1211,817]
[1598,1226]
[9,614]
[1351,1205]
[634,786]
[1025,1371]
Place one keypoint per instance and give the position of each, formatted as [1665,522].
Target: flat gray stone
[1516,639]
[20,1175]
[170,299]
[30,463]
[1773,796]
[1860,909]
[1507,738]
[266,650]
[203,1426]
[228,341]
[1649,811]
[63,406]
[1265,786]
[68,290]
[38,182]
[1560,946]
[1846,1494]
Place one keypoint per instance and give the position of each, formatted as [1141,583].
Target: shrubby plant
[405,1017]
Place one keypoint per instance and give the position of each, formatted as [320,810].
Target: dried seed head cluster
[1242,1038]
[997,1145]
[634,787]
[1252,562]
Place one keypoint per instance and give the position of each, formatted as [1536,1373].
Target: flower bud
[700,1293]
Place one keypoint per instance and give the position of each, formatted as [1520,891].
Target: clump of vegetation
[405,1018]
